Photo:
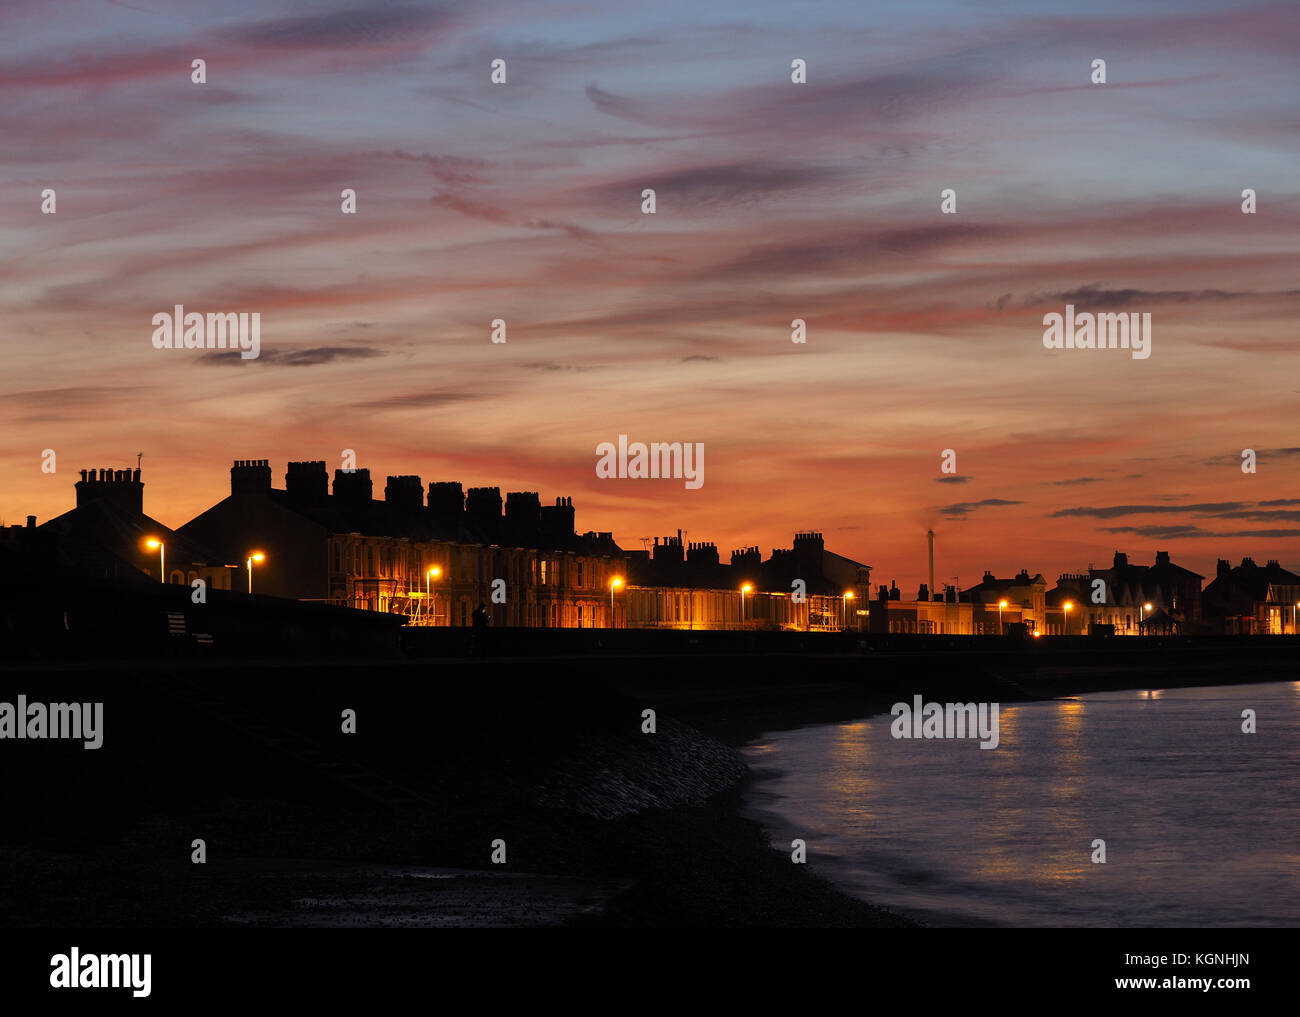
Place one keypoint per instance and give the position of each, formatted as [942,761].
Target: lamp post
[433,573]
[1001,605]
[1142,613]
[614,584]
[1293,607]
[1065,630]
[151,543]
[252,557]
[844,605]
[743,590]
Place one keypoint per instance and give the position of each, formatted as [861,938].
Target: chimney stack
[250,476]
[405,493]
[523,520]
[483,510]
[307,483]
[446,500]
[557,521]
[121,488]
[931,585]
[353,490]
[702,553]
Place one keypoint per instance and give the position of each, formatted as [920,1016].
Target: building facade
[803,588]
[434,558]
[1123,596]
[1252,600]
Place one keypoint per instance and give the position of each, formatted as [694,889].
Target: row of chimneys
[1022,575]
[306,483]
[699,552]
[950,595]
[1121,559]
[1224,567]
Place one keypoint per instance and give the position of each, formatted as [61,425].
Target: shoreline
[636,832]
[746,733]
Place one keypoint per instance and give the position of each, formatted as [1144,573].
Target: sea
[1197,818]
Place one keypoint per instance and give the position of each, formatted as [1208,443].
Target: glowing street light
[433,573]
[252,557]
[154,542]
[844,608]
[1001,605]
[743,590]
[1142,613]
[614,584]
[1066,628]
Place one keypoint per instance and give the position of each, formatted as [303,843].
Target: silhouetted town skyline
[435,554]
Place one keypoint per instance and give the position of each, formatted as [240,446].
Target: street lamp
[252,557]
[743,590]
[614,584]
[1065,631]
[1293,607]
[1142,613]
[433,573]
[151,543]
[1001,605]
[844,608]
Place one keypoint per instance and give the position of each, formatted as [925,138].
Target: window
[542,568]
[579,575]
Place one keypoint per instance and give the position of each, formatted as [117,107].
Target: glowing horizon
[775,201]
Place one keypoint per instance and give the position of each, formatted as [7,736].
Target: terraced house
[433,558]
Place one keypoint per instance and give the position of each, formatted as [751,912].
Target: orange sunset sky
[775,201]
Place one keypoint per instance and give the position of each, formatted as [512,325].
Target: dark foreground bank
[472,792]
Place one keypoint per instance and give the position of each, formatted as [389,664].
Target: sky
[774,201]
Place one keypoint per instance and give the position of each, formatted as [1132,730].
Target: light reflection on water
[1201,821]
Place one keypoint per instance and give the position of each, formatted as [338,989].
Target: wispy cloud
[963,508]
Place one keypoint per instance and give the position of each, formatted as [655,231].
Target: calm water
[1201,822]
